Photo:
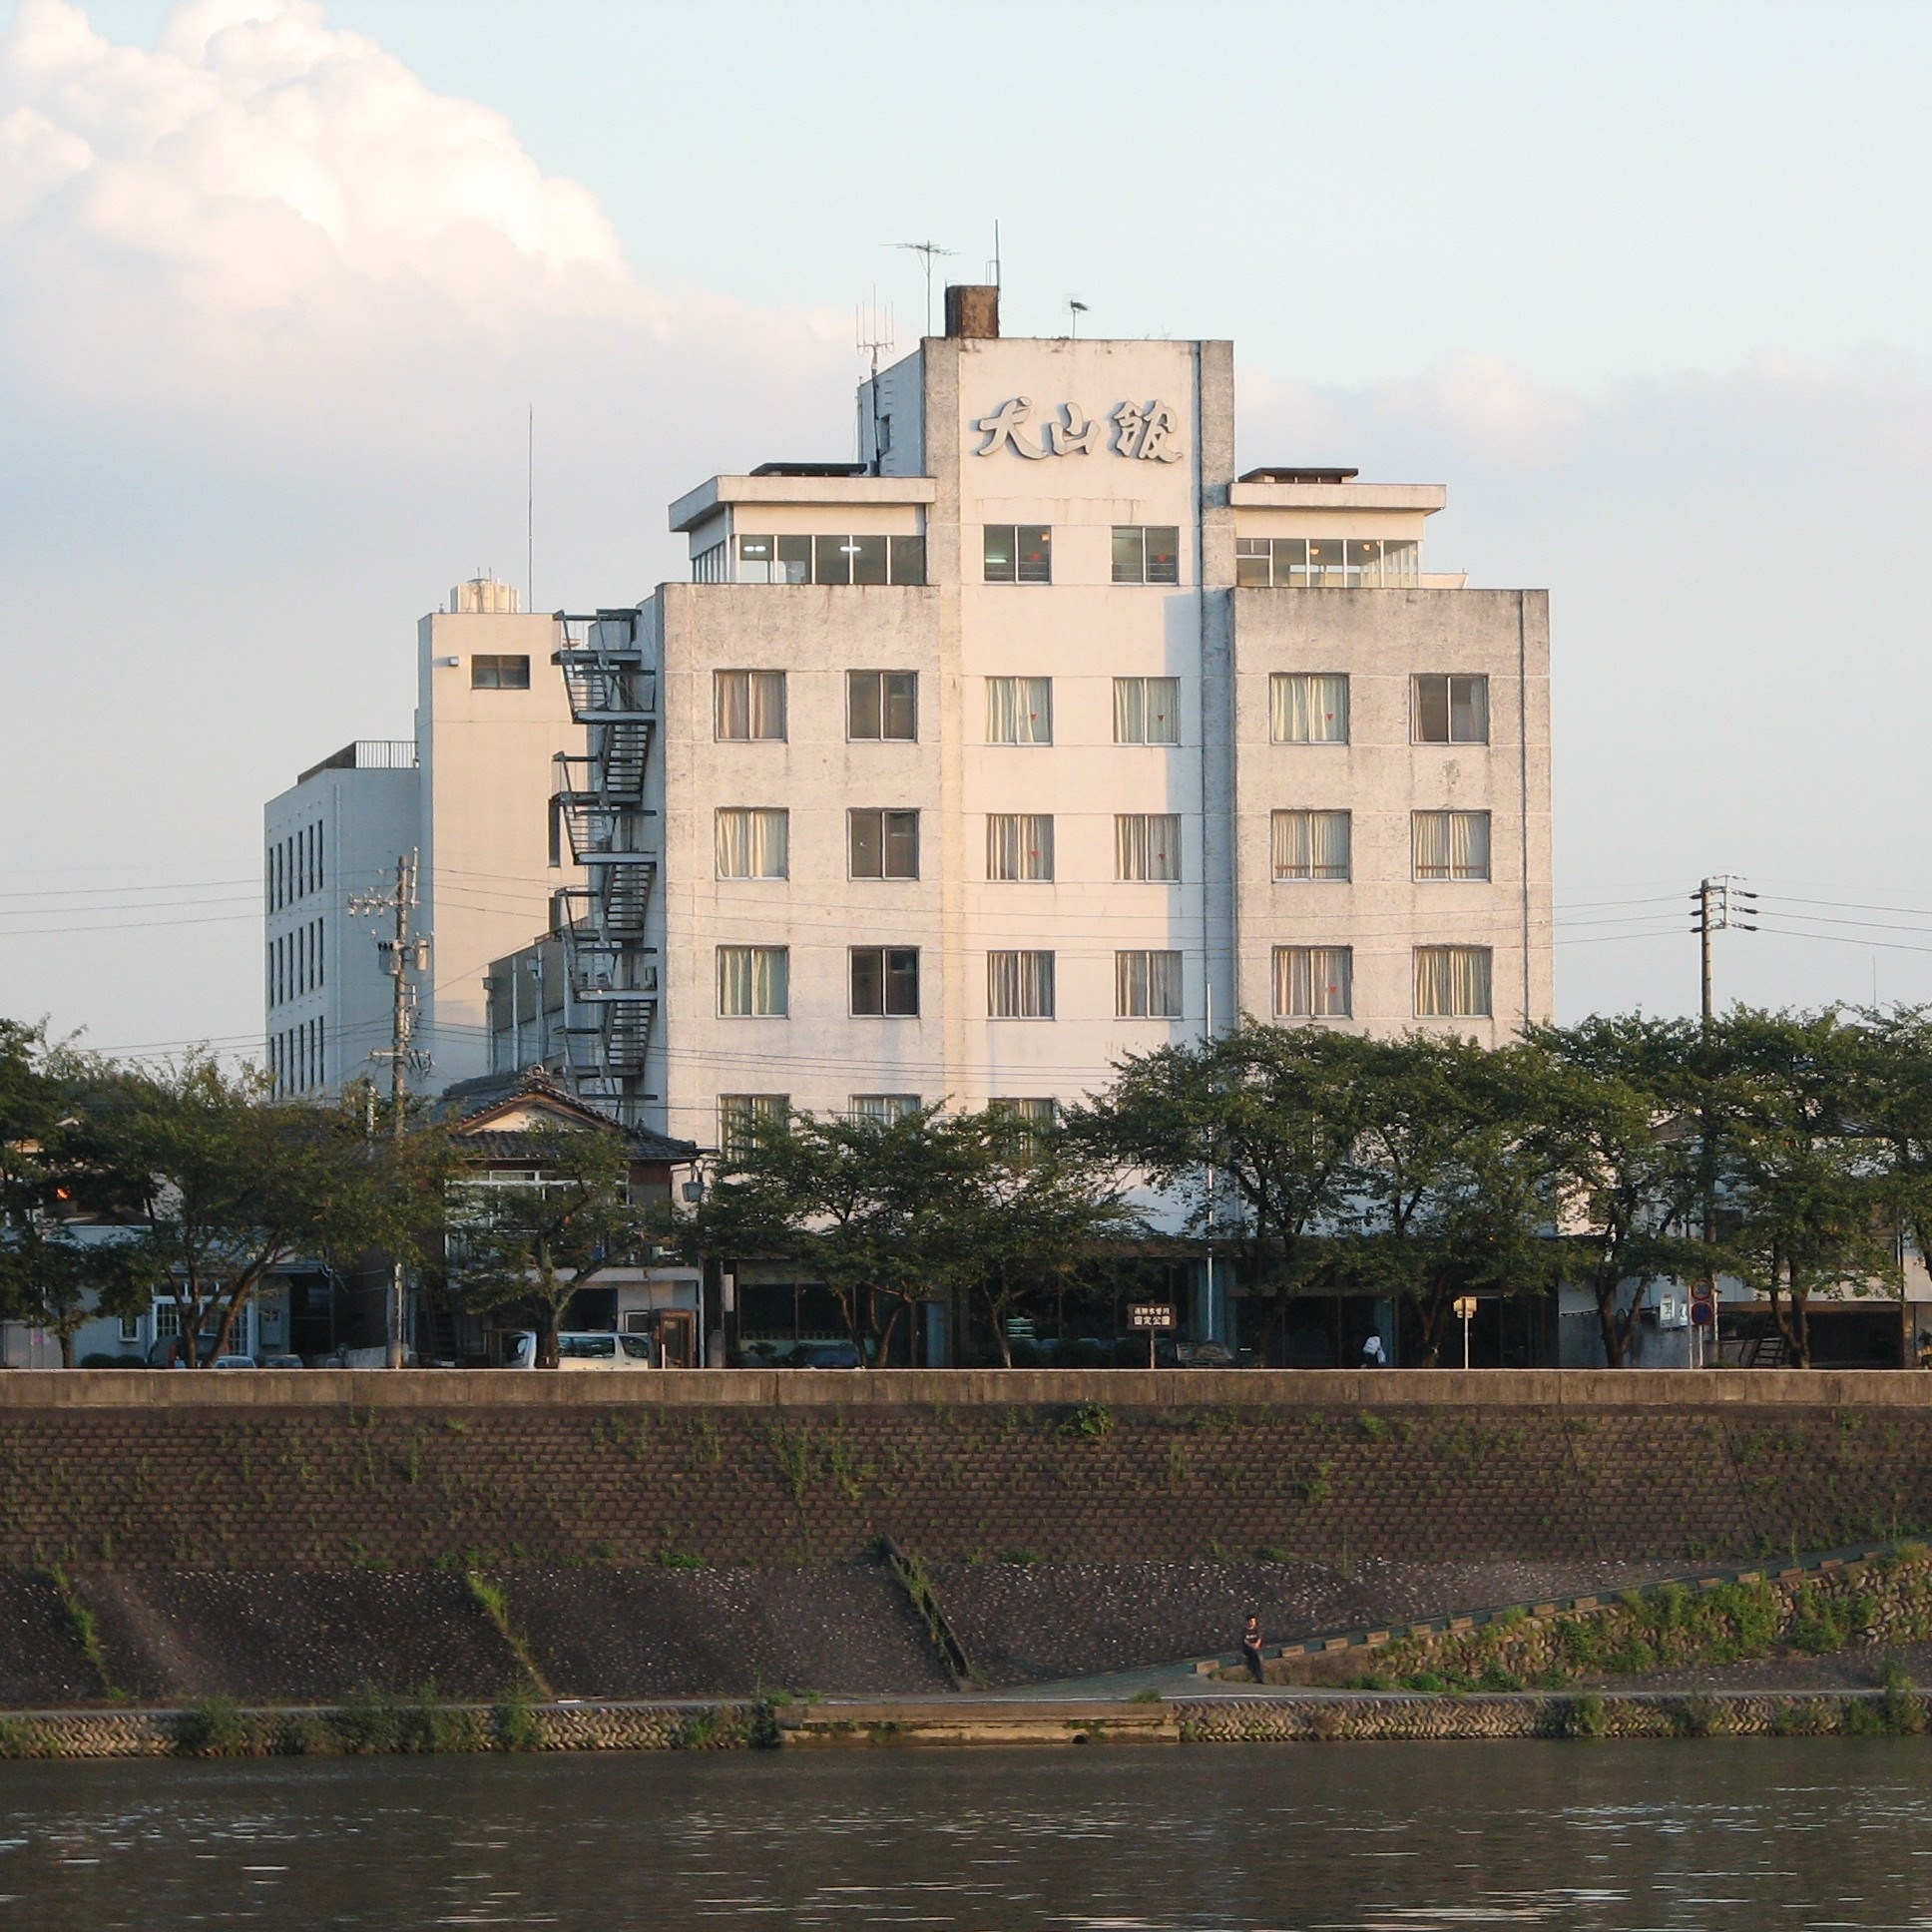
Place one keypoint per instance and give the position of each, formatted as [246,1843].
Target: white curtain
[882,1107]
[1147,985]
[1147,845]
[1312,844]
[754,843]
[749,704]
[1019,986]
[754,982]
[1146,711]
[1019,711]
[1019,845]
[1452,982]
[1308,707]
[1451,844]
[1313,982]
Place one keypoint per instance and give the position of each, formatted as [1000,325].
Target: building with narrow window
[1038,734]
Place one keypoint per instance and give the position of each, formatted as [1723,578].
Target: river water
[1787,1833]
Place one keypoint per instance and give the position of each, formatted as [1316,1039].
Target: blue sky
[1645,285]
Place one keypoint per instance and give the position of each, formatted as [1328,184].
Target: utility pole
[405,955]
[1722,903]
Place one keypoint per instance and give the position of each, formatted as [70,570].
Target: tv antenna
[928,250]
[874,333]
[1076,308]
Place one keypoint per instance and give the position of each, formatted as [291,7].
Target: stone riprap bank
[298,1535]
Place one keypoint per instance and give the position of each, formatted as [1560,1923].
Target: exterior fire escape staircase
[600,808]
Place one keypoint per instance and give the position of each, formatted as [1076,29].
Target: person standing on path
[1252,1648]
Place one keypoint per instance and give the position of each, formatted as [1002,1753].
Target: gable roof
[502,1117]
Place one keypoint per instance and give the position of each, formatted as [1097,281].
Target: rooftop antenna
[530,509]
[993,267]
[1076,308]
[874,333]
[928,250]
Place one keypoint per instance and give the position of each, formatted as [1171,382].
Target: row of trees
[1791,1150]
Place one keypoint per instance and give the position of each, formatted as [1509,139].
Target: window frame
[1486,954]
[1448,680]
[1131,849]
[1123,687]
[1034,980]
[1316,979]
[1314,875]
[1343,713]
[1134,985]
[1016,568]
[887,962]
[1139,567]
[780,813]
[750,1010]
[1041,712]
[736,1110]
[884,833]
[1447,874]
[1040,848]
[881,704]
[498,661]
[749,673]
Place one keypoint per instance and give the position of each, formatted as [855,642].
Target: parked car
[233,1361]
[278,1361]
[824,1355]
[580,1348]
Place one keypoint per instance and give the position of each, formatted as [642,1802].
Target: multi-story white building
[467,799]
[1038,737]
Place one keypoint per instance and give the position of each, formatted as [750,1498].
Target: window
[885,980]
[749,704]
[130,1327]
[832,560]
[882,704]
[1311,846]
[1019,553]
[707,564]
[1019,711]
[754,982]
[499,674]
[1019,845]
[1451,711]
[1326,563]
[883,844]
[1308,707]
[1452,982]
[1147,845]
[1146,554]
[882,1107]
[740,1116]
[1146,711]
[1146,986]
[754,843]
[1033,1119]
[1315,982]
[1450,844]
[1019,986]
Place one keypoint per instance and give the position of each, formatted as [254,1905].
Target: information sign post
[1156,1318]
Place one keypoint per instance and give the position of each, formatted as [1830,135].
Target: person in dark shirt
[1252,1648]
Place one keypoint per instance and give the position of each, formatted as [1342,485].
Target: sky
[1645,285]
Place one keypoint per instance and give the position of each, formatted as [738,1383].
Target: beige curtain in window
[1019,711]
[752,842]
[753,981]
[1451,844]
[1312,844]
[1019,986]
[1147,985]
[1145,711]
[1308,707]
[1452,982]
[1019,845]
[1313,982]
[1147,845]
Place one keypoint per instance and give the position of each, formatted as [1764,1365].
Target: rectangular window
[707,564]
[1146,554]
[754,982]
[1147,845]
[1019,553]
[907,556]
[869,559]
[1146,986]
[882,1107]
[830,560]
[1019,711]
[1329,563]
[1146,711]
[1450,710]
[1308,707]
[499,674]
[740,1116]
[1450,844]
[130,1327]
[1019,986]
[1452,982]
[882,845]
[1315,982]
[885,980]
[1019,845]
[748,704]
[882,704]
[754,843]
[1311,846]
[1032,1119]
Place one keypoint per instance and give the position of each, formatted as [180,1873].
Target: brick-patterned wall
[1224,1466]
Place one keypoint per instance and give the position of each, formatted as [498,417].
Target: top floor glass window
[1019,553]
[1326,563]
[499,674]
[1447,710]
[832,560]
[1146,554]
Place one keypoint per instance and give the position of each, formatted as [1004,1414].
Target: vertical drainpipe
[1523,780]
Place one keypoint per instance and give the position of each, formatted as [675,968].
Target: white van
[580,1348]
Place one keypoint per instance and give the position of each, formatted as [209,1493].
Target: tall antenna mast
[529,511]
[1076,308]
[928,250]
[874,333]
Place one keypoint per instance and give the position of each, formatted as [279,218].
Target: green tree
[1252,1135]
[1613,1109]
[224,1184]
[530,1247]
[1894,1103]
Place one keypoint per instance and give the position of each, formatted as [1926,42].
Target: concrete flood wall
[290,1536]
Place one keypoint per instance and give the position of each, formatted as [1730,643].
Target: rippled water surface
[1788,1834]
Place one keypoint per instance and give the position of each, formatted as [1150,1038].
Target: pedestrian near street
[1373,1353]
[1252,1648]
